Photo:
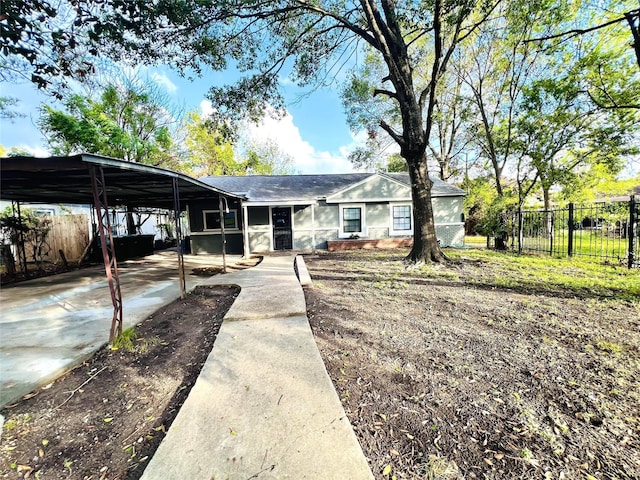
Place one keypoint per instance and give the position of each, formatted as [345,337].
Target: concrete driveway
[48,325]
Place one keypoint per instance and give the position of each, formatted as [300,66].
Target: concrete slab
[51,324]
[269,290]
[263,406]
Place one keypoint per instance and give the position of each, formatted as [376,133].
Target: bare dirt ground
[106,418]
[446,376]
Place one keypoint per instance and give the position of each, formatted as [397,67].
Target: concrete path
[263,406]
[51,324]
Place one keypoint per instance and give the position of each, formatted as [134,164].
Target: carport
[87,179]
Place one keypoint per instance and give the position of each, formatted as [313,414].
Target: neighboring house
[304,212]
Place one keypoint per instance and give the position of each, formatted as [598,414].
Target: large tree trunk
[425,243]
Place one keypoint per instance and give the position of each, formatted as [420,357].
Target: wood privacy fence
[608,231]
[69,233]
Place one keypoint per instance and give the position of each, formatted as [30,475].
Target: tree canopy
[122,122]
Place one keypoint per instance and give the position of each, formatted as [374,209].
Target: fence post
[631,228]
[570,242]
[551,227]
[520,226]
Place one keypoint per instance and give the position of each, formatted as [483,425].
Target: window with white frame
[401,220]
[352,221]
[212,220]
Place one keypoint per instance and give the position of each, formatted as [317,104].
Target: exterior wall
[447,209]
[378,222]
[213,243]
[205,241]
[373,189]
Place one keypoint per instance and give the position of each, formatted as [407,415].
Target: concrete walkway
[51,324]
[263,406]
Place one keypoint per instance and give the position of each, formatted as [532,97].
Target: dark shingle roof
[274,188]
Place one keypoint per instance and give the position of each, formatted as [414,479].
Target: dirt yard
[106,418]
[463,372]
[456,372]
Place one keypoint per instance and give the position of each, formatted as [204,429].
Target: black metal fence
[607,231]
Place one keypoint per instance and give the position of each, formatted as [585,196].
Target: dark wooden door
[282,233]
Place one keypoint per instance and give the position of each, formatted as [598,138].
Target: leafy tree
[262,37]
[123,122]
[207,151]
[40,43]
[364,111]
[210,153]
[495,65]
[266,158]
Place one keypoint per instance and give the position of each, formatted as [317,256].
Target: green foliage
[125,341]
[210,153]
[123,122]
[41,42]
[544,273]
[29,228]
[481,194]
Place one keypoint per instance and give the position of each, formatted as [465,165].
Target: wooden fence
[69,233]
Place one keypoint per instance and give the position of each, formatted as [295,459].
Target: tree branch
[388,93]
[581,31]
[392,133]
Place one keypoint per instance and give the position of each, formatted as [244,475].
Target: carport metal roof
[93,179]
[68,180]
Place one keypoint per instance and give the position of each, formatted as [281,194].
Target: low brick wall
[353,244]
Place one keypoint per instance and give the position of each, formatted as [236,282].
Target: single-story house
[304,212]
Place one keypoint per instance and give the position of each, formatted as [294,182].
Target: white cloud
[34,151]
[284,132]
[162,80]
[306,159]
[206,108]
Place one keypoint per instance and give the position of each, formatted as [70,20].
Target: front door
[282,234]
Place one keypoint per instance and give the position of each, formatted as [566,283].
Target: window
[401,217]
[352,220]
[212,220]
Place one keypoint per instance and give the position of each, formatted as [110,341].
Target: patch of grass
[129,342]
[608,347]
[125,341]
[548,273]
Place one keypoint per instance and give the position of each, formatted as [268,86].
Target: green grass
[551,273]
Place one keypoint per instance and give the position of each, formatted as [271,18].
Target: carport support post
[108,249]
[176,209]
[224,240]
[245,231]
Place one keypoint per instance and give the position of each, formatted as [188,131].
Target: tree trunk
[425,248]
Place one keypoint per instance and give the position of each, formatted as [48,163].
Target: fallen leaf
[45,442]
[41,452]
[108,420]
[386,471]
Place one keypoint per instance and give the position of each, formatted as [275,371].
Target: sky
[314,131]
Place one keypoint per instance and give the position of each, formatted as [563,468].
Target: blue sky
[314,133]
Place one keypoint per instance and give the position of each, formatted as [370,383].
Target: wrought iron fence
[607,231]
